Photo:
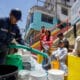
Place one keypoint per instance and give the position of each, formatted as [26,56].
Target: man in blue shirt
[9,31]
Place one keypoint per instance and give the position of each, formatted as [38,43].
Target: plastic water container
[15,60]
[8,72]
[55,64]
[23,75]
[38,75]
[39,59]
[54,74]
[26,58]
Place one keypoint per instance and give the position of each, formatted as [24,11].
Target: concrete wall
[59,6]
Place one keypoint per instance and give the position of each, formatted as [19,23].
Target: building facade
[38,16]
[62,8]
[47,15]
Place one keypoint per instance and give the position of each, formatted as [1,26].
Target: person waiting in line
[47,41]
[62,38]
[9,31]
[47,44]
[76,50]
[42,34]
[60,55]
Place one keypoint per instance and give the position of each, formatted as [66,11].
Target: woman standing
[47,44]
[42,34]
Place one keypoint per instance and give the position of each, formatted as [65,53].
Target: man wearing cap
[9,31]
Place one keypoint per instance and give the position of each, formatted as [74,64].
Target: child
[60,54]
[64,39]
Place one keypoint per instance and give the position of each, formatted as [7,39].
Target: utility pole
[37,2]
[56,11]
[56,8]
[65,2]
[75,31]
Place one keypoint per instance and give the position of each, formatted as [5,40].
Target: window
[32,17]
[64,11]
[47,18]
[68,0]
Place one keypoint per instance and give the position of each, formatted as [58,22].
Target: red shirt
[50,42]
[42,34]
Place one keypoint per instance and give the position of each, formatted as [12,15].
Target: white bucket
[23,75]
[38,75]
[54,74]
[26,58]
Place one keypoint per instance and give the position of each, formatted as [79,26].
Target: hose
[35,51]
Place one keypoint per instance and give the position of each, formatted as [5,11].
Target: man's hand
[57,57]
[14,41]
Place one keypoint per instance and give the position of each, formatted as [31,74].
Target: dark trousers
[45,61]
[3,54]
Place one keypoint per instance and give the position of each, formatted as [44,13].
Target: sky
[23,5]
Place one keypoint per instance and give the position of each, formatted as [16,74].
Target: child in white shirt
[60,54]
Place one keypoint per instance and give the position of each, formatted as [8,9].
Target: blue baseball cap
[16,13]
